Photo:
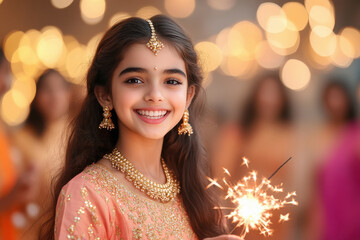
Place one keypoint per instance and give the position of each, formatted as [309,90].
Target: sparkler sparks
[245,161]
[254,202]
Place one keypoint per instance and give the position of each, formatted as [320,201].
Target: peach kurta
[96,205]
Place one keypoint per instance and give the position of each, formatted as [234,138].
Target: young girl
[133,169]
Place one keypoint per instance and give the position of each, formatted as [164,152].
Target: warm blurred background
[282,79]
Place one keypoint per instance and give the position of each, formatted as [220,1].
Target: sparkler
[254,201]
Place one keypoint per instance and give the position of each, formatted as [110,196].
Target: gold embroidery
[150,219]
[59,207]
[89,207]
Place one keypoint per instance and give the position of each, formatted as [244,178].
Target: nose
[154,93]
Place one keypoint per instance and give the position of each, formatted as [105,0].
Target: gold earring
[107,122]
[185,127]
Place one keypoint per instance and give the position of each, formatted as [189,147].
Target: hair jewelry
[154,43]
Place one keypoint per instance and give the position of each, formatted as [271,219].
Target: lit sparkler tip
[254,202]
[213,182]
[245,161]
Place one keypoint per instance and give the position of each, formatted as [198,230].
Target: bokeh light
[92,11]
[92,45]
[76,64]
[209,54]
[61,3]
[117,17]
[238,67]
[295,74]
[352,37]
[14,111]
[317,61]
[285,42]
[50,46]
[323,46]
[11,43]
[324,3]
[147,12]
[271,17]
[321,20]
[266,57]
[243,39]
[221,5]
[339,58]
[180,8]
[222,40]
[296,14]
[26,86]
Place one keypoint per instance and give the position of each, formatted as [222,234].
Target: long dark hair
[184,155]
[249,115]
[36,120]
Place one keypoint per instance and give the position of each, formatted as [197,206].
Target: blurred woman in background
[16,184]
[41,140]
[334,209]
[264,135]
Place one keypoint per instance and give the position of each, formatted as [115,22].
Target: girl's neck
[143,153]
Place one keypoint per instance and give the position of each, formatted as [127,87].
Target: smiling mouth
[152,114]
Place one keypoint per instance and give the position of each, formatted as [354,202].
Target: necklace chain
[163,192]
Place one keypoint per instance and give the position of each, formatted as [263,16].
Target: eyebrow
[174,70]
[133,69]
[143,70]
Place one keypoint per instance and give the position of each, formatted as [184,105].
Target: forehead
[139,55]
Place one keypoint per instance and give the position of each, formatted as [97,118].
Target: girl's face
[150,93]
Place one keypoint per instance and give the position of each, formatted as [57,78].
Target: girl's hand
[224,237]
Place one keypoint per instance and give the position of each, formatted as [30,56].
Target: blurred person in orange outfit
[264,135]
[15,185]
[42,139]
[334,210]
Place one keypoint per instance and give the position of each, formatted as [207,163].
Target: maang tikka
[154,44]
[107,123]
[185,127]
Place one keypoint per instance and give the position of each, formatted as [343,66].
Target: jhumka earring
[185,127]
[107,122]
[154,44]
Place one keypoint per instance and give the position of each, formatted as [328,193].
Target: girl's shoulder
[94,176]
[100,181]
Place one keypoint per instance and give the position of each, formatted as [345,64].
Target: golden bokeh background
[236,40]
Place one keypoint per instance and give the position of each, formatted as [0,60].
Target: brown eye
[173,81]
[133,81]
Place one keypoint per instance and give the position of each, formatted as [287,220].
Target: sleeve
[81,213]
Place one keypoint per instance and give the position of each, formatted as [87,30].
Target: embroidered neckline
[107,171]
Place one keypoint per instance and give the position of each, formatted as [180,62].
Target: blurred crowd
[323,171]
[325,165]
[32,154]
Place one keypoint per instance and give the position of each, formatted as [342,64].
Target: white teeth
[152,114]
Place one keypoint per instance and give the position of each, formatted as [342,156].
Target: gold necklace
[163,192]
